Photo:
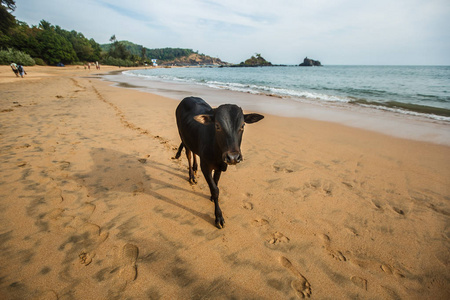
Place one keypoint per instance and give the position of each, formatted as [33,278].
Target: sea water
[411,90]
[401,101]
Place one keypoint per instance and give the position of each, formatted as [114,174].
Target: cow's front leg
[207,173]
[194,165]
[217,176]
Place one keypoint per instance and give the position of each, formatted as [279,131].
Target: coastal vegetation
[50,44]
[6,19]
[139,51]
[9,55]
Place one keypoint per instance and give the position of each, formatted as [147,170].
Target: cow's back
[195,136]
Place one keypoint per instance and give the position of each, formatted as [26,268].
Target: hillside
[195,60]
[161,54]
[168,56]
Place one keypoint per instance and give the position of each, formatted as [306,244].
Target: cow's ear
[204,119]
[252,118]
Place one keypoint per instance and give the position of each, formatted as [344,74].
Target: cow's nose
[233,158]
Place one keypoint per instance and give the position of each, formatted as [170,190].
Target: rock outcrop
[195,60]
[254,61]
[310,63]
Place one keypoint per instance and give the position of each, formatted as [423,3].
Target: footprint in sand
[86,210]
[391,271]
[259,222]
[360,282]
[76,83]
[248,205]
[53,195]
[378,205]
[300,285]
[277,238]
[86,258]
[337,255]
[282,166]
[399,211]
[129,257]
[320,185]
[376,265]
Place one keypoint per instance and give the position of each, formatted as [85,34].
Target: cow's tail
[177,156]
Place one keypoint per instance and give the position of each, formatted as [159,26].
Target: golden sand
[92,205]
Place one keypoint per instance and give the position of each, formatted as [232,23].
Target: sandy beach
[94,207]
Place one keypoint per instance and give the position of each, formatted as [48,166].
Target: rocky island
[254,61]
[310,63]
[195,59]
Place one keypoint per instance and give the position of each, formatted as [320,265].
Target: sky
[336,32]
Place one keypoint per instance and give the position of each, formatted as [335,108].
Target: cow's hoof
[192,180]
[220,223]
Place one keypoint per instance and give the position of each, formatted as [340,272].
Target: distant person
[21,70]
[14,68]
[89,66]
[96,65]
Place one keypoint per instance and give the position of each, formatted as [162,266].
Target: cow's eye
[242,126]
[218,126]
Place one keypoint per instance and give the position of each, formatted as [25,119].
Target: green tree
[80,44]
[7,20]
[97,50]
[53,47]
[45,41]
[23,38]
[118,49]
[144,52]
[44,25]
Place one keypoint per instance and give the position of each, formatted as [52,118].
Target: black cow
[215,135]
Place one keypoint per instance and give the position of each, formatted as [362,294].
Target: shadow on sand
[121,172]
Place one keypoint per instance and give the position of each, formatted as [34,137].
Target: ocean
[422,91]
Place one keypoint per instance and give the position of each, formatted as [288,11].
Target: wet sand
[94,207]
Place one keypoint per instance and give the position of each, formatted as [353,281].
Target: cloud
[335,32]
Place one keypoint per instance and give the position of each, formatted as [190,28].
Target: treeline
[168,53]
[139,51]
[41,44]
[50,44]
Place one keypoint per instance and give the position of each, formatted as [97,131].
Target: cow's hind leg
[189,154]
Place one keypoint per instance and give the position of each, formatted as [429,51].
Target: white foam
[295,95]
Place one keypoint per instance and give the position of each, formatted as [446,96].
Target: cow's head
[229,122]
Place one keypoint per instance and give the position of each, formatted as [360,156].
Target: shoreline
[436,112]
[400,125]
[94,206]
